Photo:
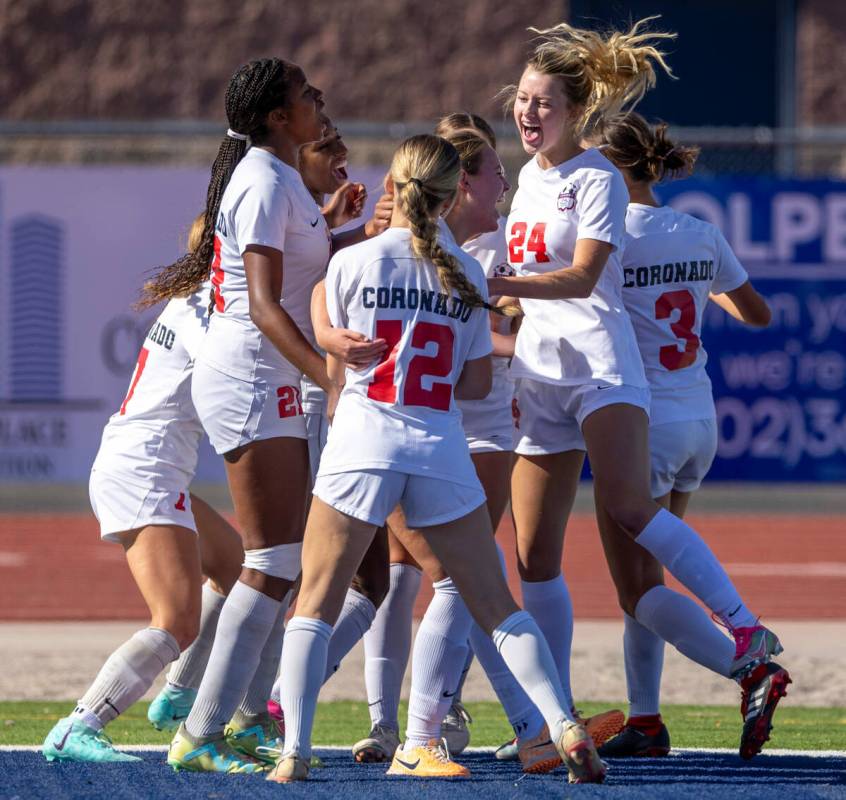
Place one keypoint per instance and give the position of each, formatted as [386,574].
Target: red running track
[54,567]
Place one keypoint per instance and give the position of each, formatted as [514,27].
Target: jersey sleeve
[728,271]
[263,215]
[603,203]
[335,302]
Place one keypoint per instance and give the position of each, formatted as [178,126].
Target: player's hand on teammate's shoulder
[353,348]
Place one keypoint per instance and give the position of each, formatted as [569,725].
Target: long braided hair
[253,92]
[425,172]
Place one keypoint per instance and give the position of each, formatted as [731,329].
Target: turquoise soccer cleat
[171,707]
[72,740]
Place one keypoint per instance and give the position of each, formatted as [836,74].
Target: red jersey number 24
[518,246]
[439,396]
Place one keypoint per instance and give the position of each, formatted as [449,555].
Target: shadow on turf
[25,775]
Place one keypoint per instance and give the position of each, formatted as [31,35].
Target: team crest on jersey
[567,197]
[504,270]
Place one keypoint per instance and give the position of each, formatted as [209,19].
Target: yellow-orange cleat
[539,755]
[578,753]
[431,760]
[604,725]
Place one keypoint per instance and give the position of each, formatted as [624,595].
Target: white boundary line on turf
[162,748]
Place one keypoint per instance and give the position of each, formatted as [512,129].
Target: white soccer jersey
[154,436]
[491,251]
[401,413]
[572,342]
[671,262]
[265,203]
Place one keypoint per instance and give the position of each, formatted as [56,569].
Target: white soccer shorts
[681,454]
[372,494]
[235,412]
[122,506]
[549,416]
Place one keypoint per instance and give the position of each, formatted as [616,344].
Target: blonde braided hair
[425,172]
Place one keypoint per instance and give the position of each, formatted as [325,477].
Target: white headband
[234,135]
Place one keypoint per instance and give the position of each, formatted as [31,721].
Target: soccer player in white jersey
[397,438]
[582,385]
[140,494]
[441,648]
[671,263]
[267,244]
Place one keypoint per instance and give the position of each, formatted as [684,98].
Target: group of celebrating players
[464,360]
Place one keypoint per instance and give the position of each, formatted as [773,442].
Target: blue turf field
[705,774]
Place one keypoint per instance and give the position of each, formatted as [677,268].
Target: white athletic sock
[387,644]
[126,675]
[525,719]
[245,623]
[439,655]
[187,671]
[520,710]
[549,604]
[682,623]
[524,649]
[684,553]
[303,665]
[261,686]
[643,653]
[468,662]
[355,620]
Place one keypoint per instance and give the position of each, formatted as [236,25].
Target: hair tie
[667,154]
[415,180]
[235,135]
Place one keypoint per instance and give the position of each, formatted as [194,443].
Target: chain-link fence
[799,152]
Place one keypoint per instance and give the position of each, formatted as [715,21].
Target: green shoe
[73,740]
[208,754]
[172,705]
[256,737]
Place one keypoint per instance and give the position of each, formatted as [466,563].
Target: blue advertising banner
[780,392]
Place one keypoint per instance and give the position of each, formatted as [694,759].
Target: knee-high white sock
[387,644]
[682,623]
[643,652]
[439,654]
[261,686]
[303,665]
[355,620]
[245,622]
[126,675]
[524,649]
[683,552]
[187,671]
[468,662]
[520,710]
[525,719]
[550,605]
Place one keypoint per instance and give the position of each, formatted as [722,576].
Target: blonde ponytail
[425,172]
[604,74]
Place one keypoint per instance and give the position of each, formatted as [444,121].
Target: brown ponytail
[645,151]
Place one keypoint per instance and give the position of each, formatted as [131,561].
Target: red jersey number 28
[382,387]
[517,244]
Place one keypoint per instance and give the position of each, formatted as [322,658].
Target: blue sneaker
[73,740]
[172,705]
